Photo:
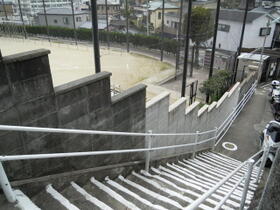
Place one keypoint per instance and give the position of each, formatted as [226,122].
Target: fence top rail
[92,132]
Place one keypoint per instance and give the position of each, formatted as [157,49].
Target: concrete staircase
[170,186]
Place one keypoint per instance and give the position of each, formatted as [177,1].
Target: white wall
[230,40]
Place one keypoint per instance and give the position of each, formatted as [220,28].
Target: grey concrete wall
[28,98]
[177,118]
[157,120]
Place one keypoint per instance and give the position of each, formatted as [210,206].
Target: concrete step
[174,185]
[81,198]
[45,200]
[5,205]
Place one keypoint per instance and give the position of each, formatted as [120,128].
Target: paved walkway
[245,130]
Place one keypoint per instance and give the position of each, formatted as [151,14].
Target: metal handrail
[250,91]
[224,127]
[208,193]
[10,195]
[92,132]
[246,177]
[92,153]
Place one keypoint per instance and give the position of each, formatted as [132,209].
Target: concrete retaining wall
[28,98]
[177,118]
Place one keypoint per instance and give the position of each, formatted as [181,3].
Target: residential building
[8,8]
[63,17]
[230,25]
[155,12]
[171,23]
[113,7]
[32,7]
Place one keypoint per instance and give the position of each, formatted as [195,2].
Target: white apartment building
[32,7]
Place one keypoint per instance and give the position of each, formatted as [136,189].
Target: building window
[167,22]
[223,27]
[159,15]
[78,19]
[55,21]
[65,20]
[265,31]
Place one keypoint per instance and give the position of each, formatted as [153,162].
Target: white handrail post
[6,186]
[148,153]
[195,146]
[247,182]
[264,159]
[215,139]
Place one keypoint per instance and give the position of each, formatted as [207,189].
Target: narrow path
[244,132]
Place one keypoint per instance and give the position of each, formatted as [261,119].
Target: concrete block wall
[177,118]
[28,98]
[157,120]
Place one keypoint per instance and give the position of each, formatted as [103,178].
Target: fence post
[264,158]
[5,185]
[148,153]
[195,146]
[247,182]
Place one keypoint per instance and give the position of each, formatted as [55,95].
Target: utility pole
[179,38]
[107,24]
[241,42]
[187,42]
[94,21]
[46,20]
[147,22]
[21,17]
[127,38]
[74,22]
[214,44]
[162,29]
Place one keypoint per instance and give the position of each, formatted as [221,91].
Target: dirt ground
[70,62]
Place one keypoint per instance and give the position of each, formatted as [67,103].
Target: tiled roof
[238,15]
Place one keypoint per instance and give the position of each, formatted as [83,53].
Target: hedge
[151,42]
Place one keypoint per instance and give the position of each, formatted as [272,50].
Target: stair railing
[216,134]
[246,179]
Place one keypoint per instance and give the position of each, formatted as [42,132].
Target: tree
[202,27]
[217,85]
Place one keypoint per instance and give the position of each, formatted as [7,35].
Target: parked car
[271,137]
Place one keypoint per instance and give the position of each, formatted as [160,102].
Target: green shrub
[217,85]
[151,42]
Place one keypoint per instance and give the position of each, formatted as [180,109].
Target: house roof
[62,11]
[154,5]
[253,57]
[88,24]
[238,15]
[109,2]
